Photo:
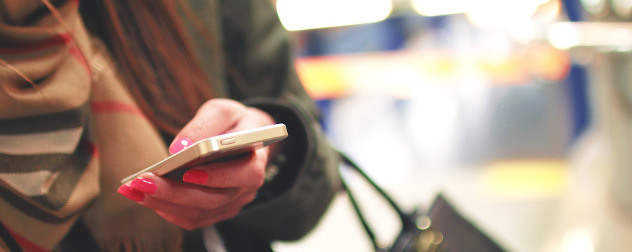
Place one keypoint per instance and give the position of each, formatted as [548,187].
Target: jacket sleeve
[261,74]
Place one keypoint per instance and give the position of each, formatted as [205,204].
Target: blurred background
[519,112]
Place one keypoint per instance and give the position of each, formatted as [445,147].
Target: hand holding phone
[210,192]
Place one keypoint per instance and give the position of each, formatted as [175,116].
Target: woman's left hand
[213,192]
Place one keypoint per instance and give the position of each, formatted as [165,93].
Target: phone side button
[228,141]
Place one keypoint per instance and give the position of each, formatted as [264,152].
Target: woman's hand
[213,192]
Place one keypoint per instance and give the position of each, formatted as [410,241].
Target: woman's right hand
[213,192]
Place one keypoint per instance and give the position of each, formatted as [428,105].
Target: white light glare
[578,240]
[495,7]
[594,6]
[439,8]
[623,8]
[565,35]
[313,14]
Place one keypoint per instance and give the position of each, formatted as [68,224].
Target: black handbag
[440,228]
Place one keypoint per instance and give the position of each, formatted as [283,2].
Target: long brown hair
[154,57]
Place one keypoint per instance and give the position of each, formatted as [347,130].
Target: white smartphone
[214,148]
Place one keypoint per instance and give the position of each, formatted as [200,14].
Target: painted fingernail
[179,144]
[195,176]
[130,193]
[144,185]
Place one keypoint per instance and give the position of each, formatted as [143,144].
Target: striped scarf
[69,131]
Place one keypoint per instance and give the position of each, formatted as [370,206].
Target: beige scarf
[69,131]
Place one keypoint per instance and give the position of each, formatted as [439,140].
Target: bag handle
[441,219]
[407,220]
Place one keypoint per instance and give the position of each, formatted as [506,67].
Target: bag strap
[442,219]
[407,220]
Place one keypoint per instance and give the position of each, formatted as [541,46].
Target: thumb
[216,116]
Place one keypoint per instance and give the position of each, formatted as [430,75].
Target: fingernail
[130,193]
[195,176]
[179,144]
[144,185]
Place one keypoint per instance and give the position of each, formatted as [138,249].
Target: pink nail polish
[195,176]
[144,185]
[179,144]
[130,193]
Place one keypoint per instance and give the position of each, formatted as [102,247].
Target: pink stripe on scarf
[57,40]
[116,107]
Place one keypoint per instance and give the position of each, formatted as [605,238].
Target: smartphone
[216,148]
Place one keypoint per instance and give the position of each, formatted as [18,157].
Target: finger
[184,194]
[246,171]
[195,213]
[190,224]
[253,118]
[214,117]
